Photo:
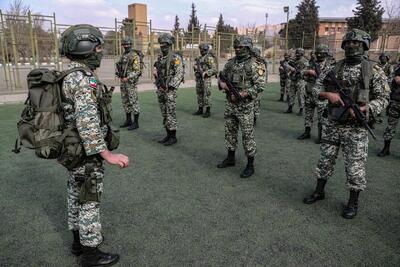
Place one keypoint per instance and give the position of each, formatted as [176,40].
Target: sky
[162,13]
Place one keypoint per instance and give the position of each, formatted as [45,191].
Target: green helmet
[127,41]
[204,46]
[322,49]
[79,41]
[299,52]
[357,35]
[243,41]
[166,38]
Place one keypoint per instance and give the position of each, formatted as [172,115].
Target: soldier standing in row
[366,84]
[248,77]
[386,66]
[168,73]
[129,70]
[311,75]
[204,68]
[297,85]
[284,76]
[260,60]
[84,114]
[393,112]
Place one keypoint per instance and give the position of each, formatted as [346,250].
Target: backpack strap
[67,72]
[366,72]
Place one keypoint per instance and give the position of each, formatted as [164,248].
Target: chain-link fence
[31,41]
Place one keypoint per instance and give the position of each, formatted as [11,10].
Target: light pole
[265,30]
[286,10]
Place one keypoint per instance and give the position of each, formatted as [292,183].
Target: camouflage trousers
[310,105]
[240,115]
[257,106]
[283,82]
[85,186]
[167,102]
[129,96]
[393,120]
[203,92]
[297,88]
[354,142]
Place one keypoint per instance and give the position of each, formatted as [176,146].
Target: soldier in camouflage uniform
[204,68]
[283,76]
[393,112]
[366,84]
[248,77]
[386,66]
[256,53]
[297,85]
[168,73]
[311,75]
[129,70]
[82,45]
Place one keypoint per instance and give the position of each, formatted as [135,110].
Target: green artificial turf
[173,207]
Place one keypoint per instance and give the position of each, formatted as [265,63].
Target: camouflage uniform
[129,95]
[297,85]
[81,111]
[394,107]
[203,85]
[283,78]
[257,103]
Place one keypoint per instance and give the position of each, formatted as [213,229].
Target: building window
[326,29]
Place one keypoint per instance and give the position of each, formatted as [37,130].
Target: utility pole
[286,10]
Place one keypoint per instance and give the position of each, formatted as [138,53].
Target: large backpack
[41,126]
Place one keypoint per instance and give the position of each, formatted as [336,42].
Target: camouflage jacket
[207,64]
[248,75]
[131,62]
[173,74]
[81,109]
[318,67]
[300,66]
[375,97]
[282,69]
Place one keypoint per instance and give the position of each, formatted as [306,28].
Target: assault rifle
[121,69]
[231,89]
[349,103]
[199,73]
[160,82]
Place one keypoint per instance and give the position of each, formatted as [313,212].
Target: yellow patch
[177,62]
[211,60]
[94,94]
[260,71]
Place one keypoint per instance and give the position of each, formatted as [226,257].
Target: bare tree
[392,8]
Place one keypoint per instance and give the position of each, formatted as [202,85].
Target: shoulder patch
[211,60]
[177,61]
[93,83]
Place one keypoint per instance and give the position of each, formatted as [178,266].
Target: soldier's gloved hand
[397,80]
[115,159]
[222,85]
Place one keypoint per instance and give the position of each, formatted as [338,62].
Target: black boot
[350,211]
[128,121]
[207,113]
[306,134]
[386,149]
[165,139]
[318,194]
[255,121]
[318,141]
[172,138]
[289,110]
[249,170]
[229,161]
[95,257]
[135,123]
[76,248]
[300,112]
[199,111]
[281,99]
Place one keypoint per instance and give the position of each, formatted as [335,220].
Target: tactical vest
[241,78]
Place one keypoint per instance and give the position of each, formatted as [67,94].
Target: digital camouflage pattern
[393,120]
[129,94]
[257,102]
[246,76]
[388,70]
[283,77]
[203,87]
[81,111]
[350,135]
[167,98]
[297,84]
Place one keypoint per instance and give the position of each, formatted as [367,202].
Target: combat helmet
[384,55]
[357,35]
[79,41]
[166,38]
[299,51]
[204,46]
[243,41]
[127,41]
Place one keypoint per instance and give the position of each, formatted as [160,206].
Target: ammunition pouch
[89,182]
[112,138]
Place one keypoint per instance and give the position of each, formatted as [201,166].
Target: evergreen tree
[304,26]
[176,25]
[367,17]
[193,21]
[225,28]
[220,23]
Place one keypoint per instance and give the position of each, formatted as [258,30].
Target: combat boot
[318,194]
[289,110]
[386,149]
[306,134]
[76,248]
[229,161]
[281,98]
[318,141]
[255,121]
[135,123]
[128,121]
[165,139]
[92,256]
[172,138]
[199,111]
[300,112]
[350,211]
[207,113]
[249,170]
